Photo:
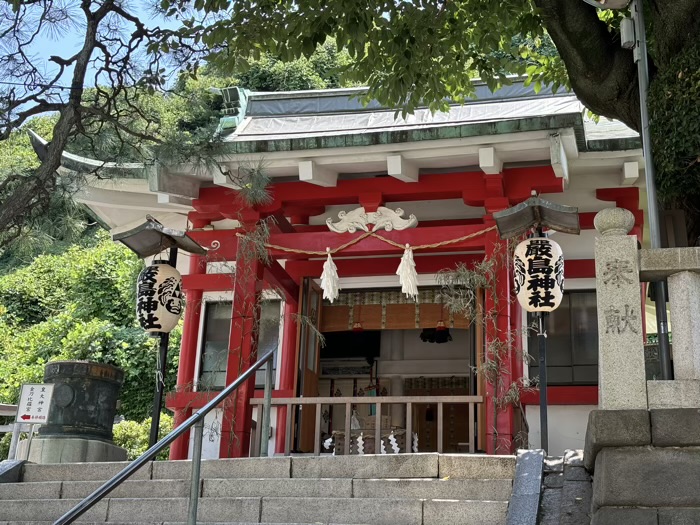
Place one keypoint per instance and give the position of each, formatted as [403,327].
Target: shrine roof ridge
[342,100]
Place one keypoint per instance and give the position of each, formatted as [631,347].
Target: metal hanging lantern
[159,297]
[539,274]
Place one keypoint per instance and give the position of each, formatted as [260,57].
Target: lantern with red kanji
[539,274]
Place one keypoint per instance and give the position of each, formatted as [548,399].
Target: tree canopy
[186,116]
[409,53]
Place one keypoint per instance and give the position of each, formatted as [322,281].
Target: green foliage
[64,221]
[16,153]
[79,305]
[322,70]
[62,337]
[409,53]
[5,445]
[675,129]
[133,436]
[94,282]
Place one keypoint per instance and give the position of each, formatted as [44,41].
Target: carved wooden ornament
[384,218]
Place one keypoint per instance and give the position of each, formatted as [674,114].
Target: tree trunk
[602,74]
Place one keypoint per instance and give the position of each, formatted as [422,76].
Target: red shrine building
[363,183]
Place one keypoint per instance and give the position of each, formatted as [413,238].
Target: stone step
[79,489]
[135,510]
[268,510]
[475,466]
[421,488]
[283,488]
[453,489]
[276,467]
[430,465]
[496,490]
[383,511]
[80,471]
[453,512]
[199,522]
[163,523]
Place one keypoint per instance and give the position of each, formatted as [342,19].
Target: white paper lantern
[159,297]
[539,274]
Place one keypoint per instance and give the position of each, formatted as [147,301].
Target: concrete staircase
[410,489]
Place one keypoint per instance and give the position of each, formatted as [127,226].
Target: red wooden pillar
[287,369]
[188,355]
[243,347]
[499,420]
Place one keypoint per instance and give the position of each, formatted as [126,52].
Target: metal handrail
[197,417]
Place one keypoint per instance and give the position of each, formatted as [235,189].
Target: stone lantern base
[81,416]
[52,449]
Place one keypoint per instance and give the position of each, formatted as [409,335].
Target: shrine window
[215,341]
[572,341]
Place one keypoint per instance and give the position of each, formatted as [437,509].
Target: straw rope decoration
[406,272]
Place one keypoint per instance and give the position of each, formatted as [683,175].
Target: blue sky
[68,40]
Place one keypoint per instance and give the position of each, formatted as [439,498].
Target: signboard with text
[34,403]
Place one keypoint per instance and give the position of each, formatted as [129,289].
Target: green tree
[409,53]
[133,436]
[423,52]
[79,305]
[180,122]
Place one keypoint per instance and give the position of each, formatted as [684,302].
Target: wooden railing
[378,402]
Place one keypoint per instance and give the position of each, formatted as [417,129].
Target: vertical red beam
[287,368]
[243,347]
[188,355]
[499,420]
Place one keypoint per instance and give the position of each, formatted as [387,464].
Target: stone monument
[84,403]
[643,444]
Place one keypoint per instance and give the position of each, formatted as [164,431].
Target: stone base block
[675,427]
[647,477]
[10,470]
[679,516]
[73,450]
[624,516]
[673,394]
[615,428]
[630,516]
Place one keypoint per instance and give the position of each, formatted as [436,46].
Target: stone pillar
[620,347]
[684,298]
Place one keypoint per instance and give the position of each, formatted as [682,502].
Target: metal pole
[30,437]
[641,58]
[542,339]
[162,372]
[265,429]
[158,395]
[196,468]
